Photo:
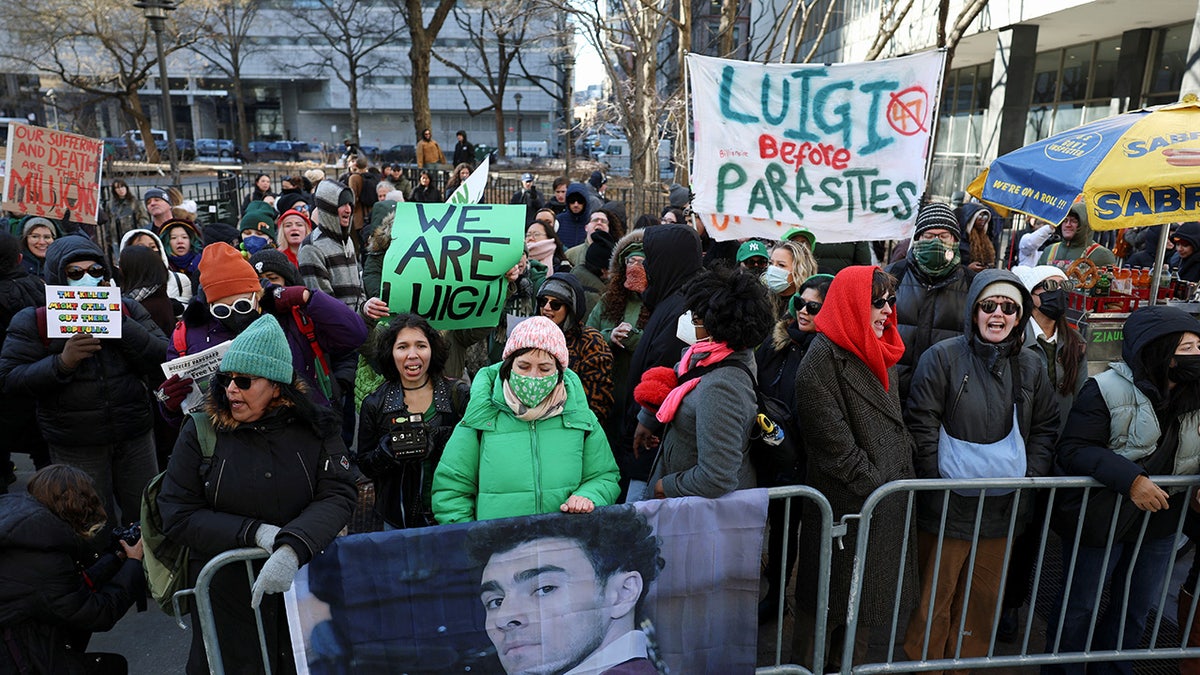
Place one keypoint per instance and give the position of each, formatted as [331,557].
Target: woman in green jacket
[528,443]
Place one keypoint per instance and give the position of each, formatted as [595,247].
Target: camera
[129,534]
[408,439]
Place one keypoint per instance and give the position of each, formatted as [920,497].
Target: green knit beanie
[259,216]
[262,351]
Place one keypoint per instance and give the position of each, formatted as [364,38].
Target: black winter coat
[672,259]
[104,398]
[18,290]
[966,385]
[47,610]
[927,312]
[403,489]
[277,470]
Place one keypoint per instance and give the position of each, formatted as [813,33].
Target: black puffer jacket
[1085,448]
[402,489]
[18,290]
[966,385]
[672,259]
[277,470]
[46,609]
[927,312]
[105,397]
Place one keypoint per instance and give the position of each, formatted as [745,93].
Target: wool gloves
[277,575]
[264,537]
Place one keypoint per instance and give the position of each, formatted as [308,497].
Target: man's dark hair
[614,539]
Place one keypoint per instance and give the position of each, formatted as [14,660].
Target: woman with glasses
[91,394]
[543,244]
[778,359]
[527,443]
[856,439]
[979,406]
[37,234]
[321,330]
[561,300]
[263,466]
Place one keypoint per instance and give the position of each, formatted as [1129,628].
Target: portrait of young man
[563,596]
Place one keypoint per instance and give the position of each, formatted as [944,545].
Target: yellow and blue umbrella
[1138,168]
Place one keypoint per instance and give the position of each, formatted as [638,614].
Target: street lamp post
[155,12]
[520,148]
[54,107]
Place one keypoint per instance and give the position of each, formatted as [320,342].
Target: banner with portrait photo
[50,172]
[447,261]
[840,149]
[658,586]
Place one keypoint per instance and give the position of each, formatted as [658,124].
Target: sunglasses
[889,301]
[243,382]
[1008,307]
[1055,284]
[555,304]
[221,310]
[76,273]
[809,306]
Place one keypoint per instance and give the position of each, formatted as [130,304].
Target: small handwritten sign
[95,310]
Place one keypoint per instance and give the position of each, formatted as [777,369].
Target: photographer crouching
[52,596]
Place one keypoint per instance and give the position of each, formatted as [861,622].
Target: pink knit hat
[541,333]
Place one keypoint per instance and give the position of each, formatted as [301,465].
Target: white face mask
[684,330]
[776,279]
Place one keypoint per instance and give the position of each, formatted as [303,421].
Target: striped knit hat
[538,332]
[331,194]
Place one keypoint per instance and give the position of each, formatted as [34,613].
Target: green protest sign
[447,261]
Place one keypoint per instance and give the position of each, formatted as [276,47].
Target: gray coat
[966,385]
[856,442]
[704,450]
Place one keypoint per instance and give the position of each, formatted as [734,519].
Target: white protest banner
[471,190]
[200,367]
[95,310]
[840,149]
[50,172]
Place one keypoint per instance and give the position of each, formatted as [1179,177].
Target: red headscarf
[845,318]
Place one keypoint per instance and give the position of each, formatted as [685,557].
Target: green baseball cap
[751,249]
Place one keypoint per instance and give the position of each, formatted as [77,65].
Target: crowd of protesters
[626,366]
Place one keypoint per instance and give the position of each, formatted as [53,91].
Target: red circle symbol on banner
[906,111]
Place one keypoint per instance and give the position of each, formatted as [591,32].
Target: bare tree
[224,44]
[352,32]
[102,48]
[497,32]
[626,33]
[421,36]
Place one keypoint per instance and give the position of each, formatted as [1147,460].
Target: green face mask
[934,257]
[532,390]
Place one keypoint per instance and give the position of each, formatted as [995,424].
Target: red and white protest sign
[51,172]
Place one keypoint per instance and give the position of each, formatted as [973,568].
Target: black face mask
[1186,368]
[236,323]
[1054,303]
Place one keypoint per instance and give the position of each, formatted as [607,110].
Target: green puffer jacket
[497,466]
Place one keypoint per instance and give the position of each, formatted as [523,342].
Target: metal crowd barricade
[790,494]
[1017,490]
[208,623]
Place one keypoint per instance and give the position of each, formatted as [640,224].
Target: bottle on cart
[1104,285]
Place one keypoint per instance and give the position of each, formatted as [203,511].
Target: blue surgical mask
[776,279]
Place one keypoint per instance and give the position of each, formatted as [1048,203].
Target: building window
[1170,62]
